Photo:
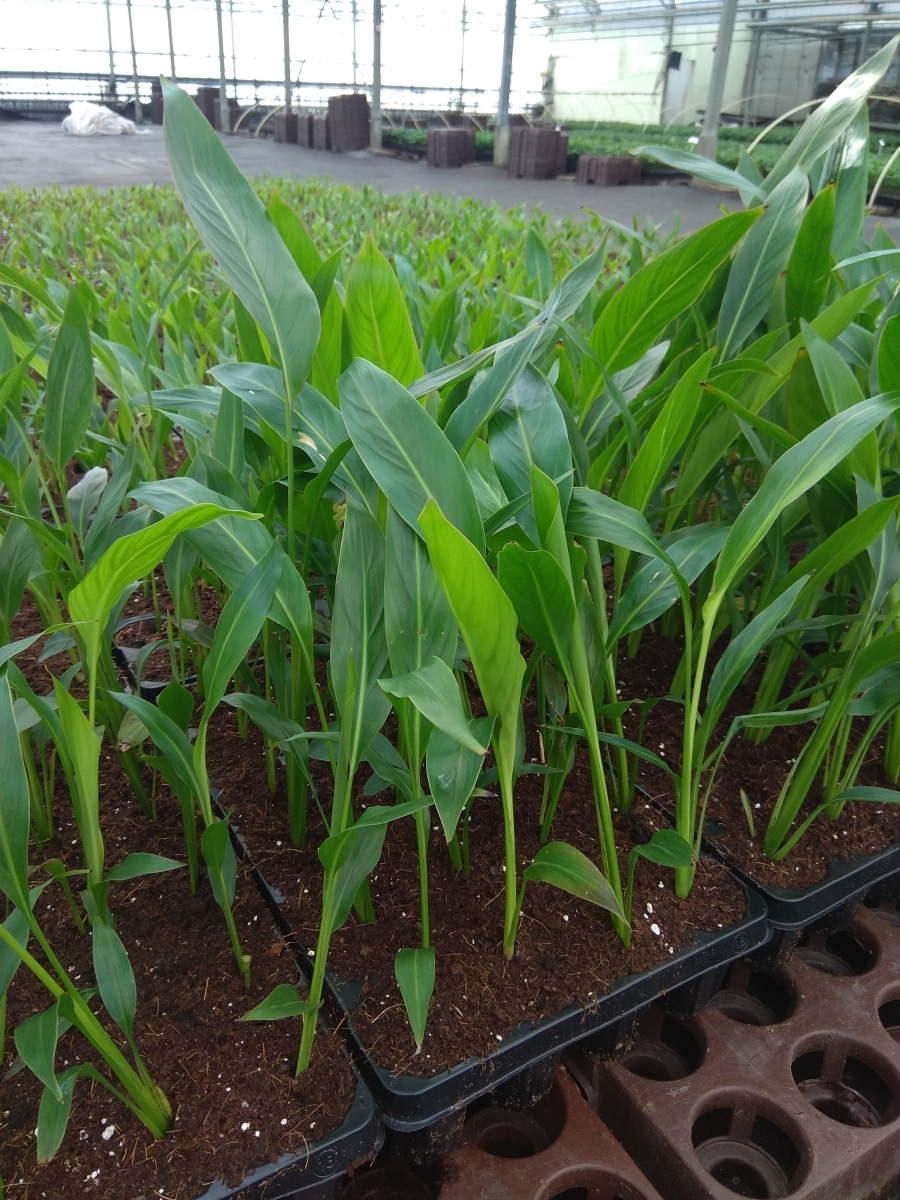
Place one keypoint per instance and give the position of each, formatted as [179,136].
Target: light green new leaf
[414,970]
[283,1001]
[405,450]
[114,975]
[70,387]
[168,738]
[792,475]
[84,747]
[380,328]
[453,771]
[36,1039]
[704,168]
[433,689]
[239,234]
[757,265]
[666,848]
[53,1113]
[133,866]
[567,868]
[218,854]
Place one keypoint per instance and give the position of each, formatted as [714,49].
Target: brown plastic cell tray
[558,1148]
[789,1086]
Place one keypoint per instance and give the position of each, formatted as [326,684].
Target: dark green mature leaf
[666,848]
[70,387]
[267,717]
[36,1039]
[405,450]
[239,234]
[350,856]
[168,738]
[19,554]
[757,265]
[418,621]
[660,291]
[114,975]
[704,168]
[593,514]
[542,597]
[810,264]
[380,329]
[433,689]
[53,1114]
[283,1001]
[453,771]
[218,854]
[414,970]
[832,118]
[567,868]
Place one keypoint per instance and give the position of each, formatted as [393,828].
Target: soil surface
[231,1086]
[863,827]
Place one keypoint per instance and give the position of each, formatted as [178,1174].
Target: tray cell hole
[509,1133]
[887,910]
[844,953]
[766,1164]
[856,1094]
[385,1183]
[755,997]
[889,1015]
[667,1048]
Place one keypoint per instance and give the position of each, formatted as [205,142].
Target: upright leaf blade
[70,387]
[380,328]
[414,970]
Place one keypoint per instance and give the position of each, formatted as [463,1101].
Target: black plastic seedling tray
[408,1103]
[316,1172]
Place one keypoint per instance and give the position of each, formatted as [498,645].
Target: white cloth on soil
[89,119]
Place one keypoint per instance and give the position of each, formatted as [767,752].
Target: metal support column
[224,118]
[709,137]
[286,25]
[354,15]
[171,40]
[462,57]
[138,114]
[501,130]
[375,132]
[112,64]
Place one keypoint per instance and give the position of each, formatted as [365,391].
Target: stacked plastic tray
[451,147]
[286,127]
[606,170]
[321,132]
[537,153]
[349,116]
[305,130]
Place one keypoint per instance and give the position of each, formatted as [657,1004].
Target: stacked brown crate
[349,122]
[608,170]
[451,147]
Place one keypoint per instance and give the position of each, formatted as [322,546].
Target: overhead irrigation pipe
[501,132]
[709,137]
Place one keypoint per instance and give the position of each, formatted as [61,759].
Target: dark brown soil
[863,827]
[566,949]
[237,1104]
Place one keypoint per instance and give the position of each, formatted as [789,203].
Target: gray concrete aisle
[34,154]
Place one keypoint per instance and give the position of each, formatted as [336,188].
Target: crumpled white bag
[88,119]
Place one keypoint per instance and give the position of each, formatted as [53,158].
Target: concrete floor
[34,154]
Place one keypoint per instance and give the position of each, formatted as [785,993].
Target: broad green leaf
[453,771]
[168,738]
[11,649]
[281,1002]
[53,1114]
[388,766]
[660,291]
[350,857]
[793,474]
[70,387]
[405,450]
[593,514]
[666,848]
[380,328]
[19,554]
[133,866]
[267,717]
[218,854]
[414,971]
[36,1039]
[703,168]
[567,868]
[358,646]
[176,702]
[84,747]
[114,975]
[483,612]
[433,689]
[131,557]
[542,597]
[809,267]
[418,621]
[228,436]
[832,118]
[239,624]
[17,926]
[758,263]
[239,234]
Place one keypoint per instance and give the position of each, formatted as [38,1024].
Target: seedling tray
[316,1172]
[408,1103]
[789,1085]
[559,1147]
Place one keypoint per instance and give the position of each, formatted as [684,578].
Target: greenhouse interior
[420,778]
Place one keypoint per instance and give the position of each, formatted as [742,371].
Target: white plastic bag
[89,119]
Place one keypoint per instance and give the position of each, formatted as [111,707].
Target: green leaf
[405,450]
[115,978]
[228,435]
[349,856]
[660,291]
[757,265]
[666,848]
[84,747]
[168,738]
[832,118]
[793,474]
[593,514]
[542,597]
[267,717]
[19,554]
[380,328]
[239,624]
[236,230]
[809,267]
[453,771]
[414,970]
[133,866]
[70,387]
[53,1114]
[36,1039]
[218,854]
[418,621]
[283,1001]
[703,168]
[176,702]
[433,689]
[567,868]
